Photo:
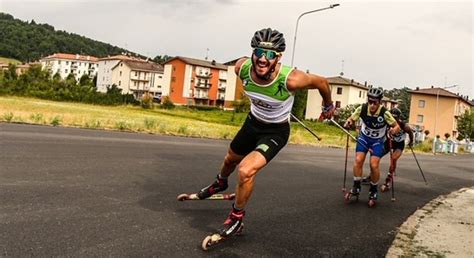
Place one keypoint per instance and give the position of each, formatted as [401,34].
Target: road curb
[443,227]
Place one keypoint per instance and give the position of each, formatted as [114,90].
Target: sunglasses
[373,102]
[269,54]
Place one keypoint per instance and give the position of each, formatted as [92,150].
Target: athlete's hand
[348,124]
[392,132]
[327,112]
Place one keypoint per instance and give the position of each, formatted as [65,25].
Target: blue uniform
[373,130]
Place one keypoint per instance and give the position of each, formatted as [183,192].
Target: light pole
[296,29]
[436,115]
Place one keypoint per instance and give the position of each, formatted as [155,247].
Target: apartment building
[65,64]
[189,81]
[344,92]
[19,68]
[437,110]
[133,75]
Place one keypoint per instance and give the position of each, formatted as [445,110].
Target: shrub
[166,103]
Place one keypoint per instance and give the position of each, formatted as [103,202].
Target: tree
[466,125]
[404,97]
[299,106]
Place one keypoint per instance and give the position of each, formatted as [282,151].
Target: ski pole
[350,135]
[392,170]
[309,130]
[345,166]
[418,164]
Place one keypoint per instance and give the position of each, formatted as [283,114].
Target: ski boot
[388,183]
[372,196]
[217,186]
[354,192]
[233,225]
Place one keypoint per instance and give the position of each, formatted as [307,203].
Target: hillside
[29,41]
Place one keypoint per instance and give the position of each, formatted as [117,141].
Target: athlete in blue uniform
[270,87]
[376,119]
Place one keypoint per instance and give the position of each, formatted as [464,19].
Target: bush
[166,103]
[147,101]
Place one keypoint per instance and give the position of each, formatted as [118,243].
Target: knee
[231,159]
[246,173]
[359,162]
[374,165]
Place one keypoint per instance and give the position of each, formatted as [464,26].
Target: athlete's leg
[248,169]
[395,156]
[374,169]
[358,164]
[231,161]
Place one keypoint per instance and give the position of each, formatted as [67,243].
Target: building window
[339,91]
[419,118]
[338,104]
[120,73]
[120,83]
[360,94]
[65,70]
[136,73]
[421,103]
[173,79]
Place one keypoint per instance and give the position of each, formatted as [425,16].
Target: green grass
[181,121]
[6,60]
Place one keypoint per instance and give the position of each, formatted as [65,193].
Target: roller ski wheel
[348,197]
[385,187]
[372,203]
[214,239]
[214,197]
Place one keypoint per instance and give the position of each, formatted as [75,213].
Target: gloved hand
[348,124]
[328,111]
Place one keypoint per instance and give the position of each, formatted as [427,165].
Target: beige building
[437,110]
[343,92]
[132,75]
[65,64]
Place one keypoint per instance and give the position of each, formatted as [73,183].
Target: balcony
[203,85]
[204,75]
[201,96]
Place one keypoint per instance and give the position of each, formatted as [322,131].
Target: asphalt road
[77,192]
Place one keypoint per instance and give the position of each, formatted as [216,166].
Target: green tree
[299,106]
[466,125]
[404,97]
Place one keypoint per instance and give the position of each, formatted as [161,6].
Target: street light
[436,115]
[296,29]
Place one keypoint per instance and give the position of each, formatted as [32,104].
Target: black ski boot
[372,195]
[354,192]
[233,224]
[218,186]
[388,183]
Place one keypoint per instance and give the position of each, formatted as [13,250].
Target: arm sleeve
[356,115]
[389,118]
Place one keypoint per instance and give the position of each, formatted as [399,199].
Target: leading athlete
[376,120]
[270,86]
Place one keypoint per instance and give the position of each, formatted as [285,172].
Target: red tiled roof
[434,91]
[72,57]
[143,66]
[344,81]
[121,57]
[199,62]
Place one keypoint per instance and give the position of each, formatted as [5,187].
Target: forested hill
[29,41]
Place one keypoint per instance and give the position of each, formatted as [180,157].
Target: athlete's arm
[238,64]
[409,131]
[298,80]
[354,117]
[392,123]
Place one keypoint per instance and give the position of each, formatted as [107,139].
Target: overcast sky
[386,43]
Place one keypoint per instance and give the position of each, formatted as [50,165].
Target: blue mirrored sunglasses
[269,54]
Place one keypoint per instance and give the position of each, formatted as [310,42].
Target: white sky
[391,44]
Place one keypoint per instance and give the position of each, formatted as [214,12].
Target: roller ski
[354,193]
[214,197]
[372,196]
[232,226]
[387,185]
